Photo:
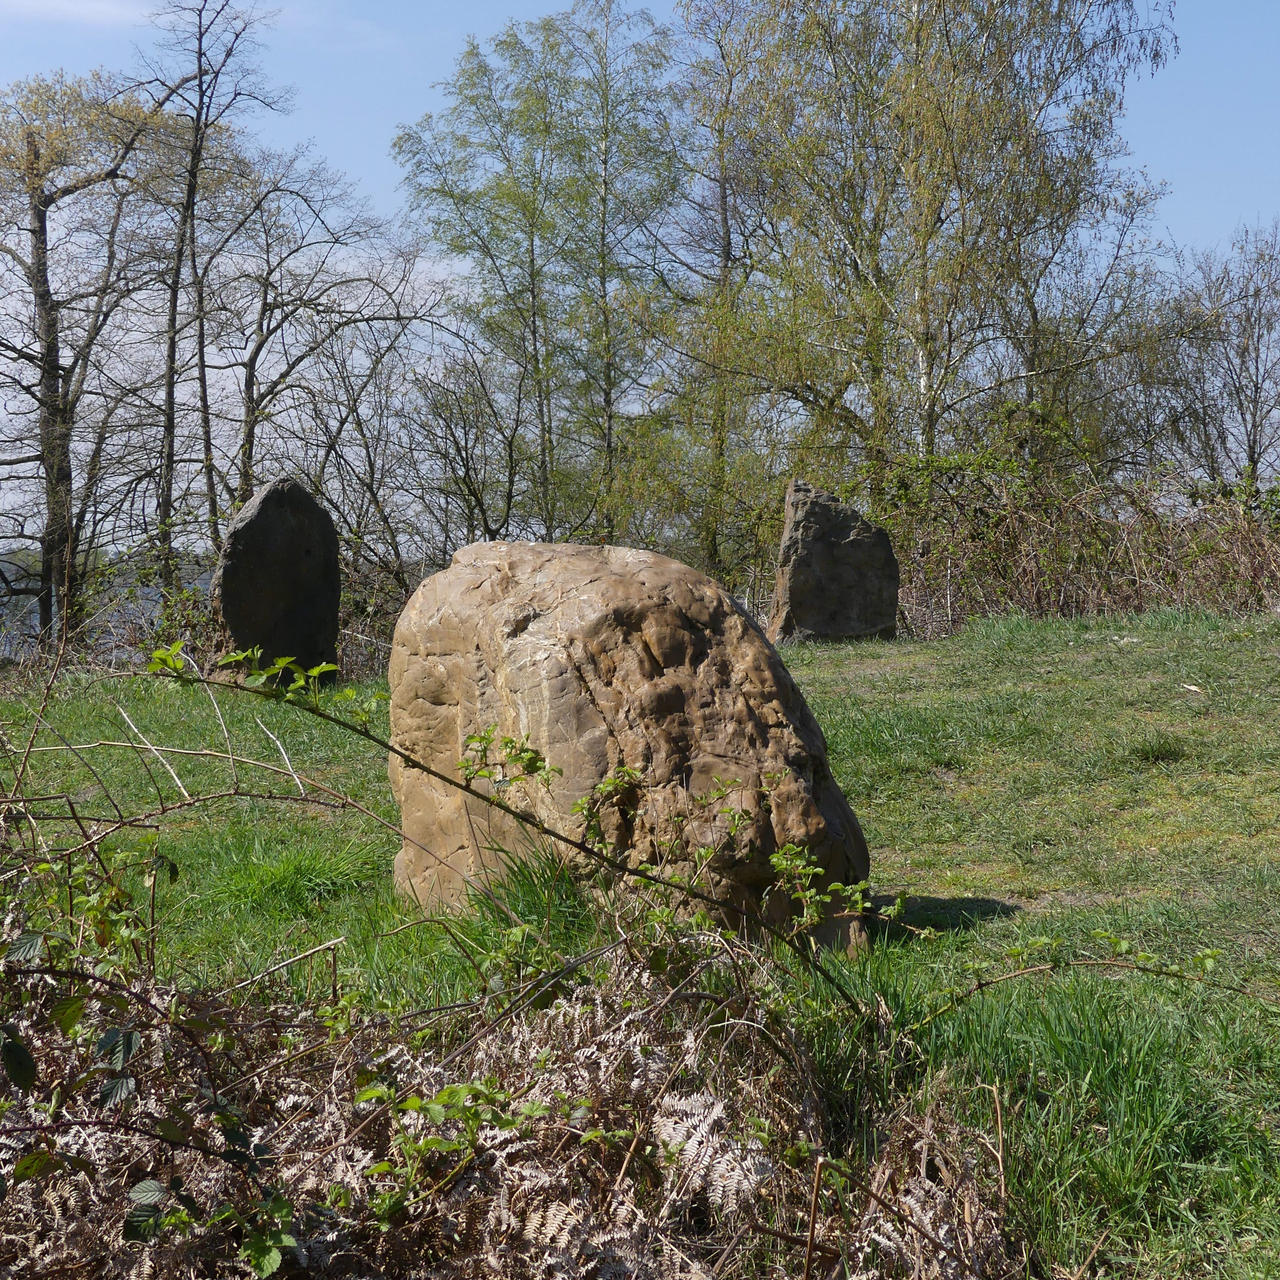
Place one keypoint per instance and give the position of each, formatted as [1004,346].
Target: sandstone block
[605,657]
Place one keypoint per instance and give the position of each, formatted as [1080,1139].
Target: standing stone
[276,586]
[837,574]
[605,657]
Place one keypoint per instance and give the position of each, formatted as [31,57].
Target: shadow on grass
[945,915]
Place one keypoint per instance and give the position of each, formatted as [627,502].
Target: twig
[533,989]
[411,924]
[46,694]
[998,1151]
[186,795]
[337,798]
[531,822]
[788,1237]
[1052,966]
[461,944]
[635,1142]
[276,1063]
[727,1252]
[217,711]
[818,1167]
[284,964]
[32,749]
[1093,1253]
[293,773]
[910,1221]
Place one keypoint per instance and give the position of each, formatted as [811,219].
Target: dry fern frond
[643,1126]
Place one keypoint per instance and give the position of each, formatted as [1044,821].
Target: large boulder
[607,657]
[276,585]
[837,574]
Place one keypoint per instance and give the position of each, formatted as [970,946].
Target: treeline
[647,274]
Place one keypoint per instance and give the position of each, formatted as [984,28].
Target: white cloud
[95,13]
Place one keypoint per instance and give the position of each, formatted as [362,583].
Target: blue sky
[1207,125]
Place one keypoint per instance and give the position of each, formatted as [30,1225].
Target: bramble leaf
[148,1192]
[25,948]
[141,1223]
[16,1058]
[66,1013]
[118,1045]
[117,1090]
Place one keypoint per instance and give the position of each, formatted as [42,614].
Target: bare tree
[212,43]
[67,192]
[1229,376]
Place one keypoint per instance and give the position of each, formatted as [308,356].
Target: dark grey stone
[837,574]
[276,586]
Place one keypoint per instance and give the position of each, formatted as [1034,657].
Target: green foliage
[515,761]
[16,1059]
[813,898]
[295,880]
[545,173]
[618,790]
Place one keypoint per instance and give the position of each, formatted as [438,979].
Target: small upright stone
[276,586]
[837,574]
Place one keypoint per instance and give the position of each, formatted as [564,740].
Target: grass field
[1037,796]
[1029,786]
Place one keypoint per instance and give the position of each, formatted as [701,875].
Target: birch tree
[915,153]
[543,181]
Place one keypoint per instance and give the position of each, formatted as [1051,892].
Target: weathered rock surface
[837,574]
[276,585]
[606,657]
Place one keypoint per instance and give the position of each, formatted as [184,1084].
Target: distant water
[122,618]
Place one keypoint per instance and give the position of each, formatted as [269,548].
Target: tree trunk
[718,468]
[58,598]
[169,425]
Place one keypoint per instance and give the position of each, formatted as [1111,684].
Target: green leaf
[162,864]
[66,1013]
[18,1063]
[25,948]
[118,1045]
[149,1192]
[141,1223]
[117,1090]
[172,1132]
[440,1144]
[35,1164]
[169,659]
[262,1256]
[201,1026]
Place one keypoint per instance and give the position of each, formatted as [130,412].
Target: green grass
[1036,761]
[264,875]
[1025,787]
[1024,782]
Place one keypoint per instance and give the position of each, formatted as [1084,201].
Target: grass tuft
[1155,747]
[292,880]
